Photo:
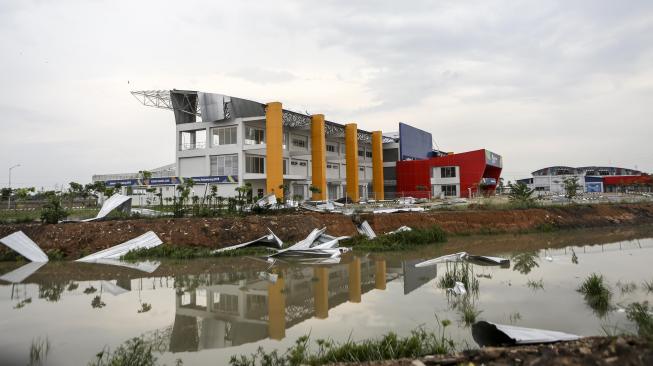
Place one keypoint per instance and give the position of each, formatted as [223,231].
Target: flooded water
[204,311]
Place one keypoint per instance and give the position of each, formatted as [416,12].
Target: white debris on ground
[486,333]
[401,229]
[145,241]
[458,289]
[117,201]
[366,230]
[22,244]
[270,241]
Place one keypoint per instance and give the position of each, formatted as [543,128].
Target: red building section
[478,172]
[617,183]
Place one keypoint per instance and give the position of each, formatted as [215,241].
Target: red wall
[413,173]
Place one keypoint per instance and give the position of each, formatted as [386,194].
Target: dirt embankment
[75,239]
[484,221]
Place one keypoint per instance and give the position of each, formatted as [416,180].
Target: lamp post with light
[9,200]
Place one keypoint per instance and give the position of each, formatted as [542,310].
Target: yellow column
[379,275]
[276,310]
[355,280]
[318,156]
[377,165]
[351,158]
[274,149]
[321,292]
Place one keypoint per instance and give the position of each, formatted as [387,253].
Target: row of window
[253,136]
[228,164]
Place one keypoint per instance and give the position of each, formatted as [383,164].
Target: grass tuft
[597,294]
[459,272]
[400,241]
[38,351]
[648,286]
[641,315]
[535,285]
[134,352]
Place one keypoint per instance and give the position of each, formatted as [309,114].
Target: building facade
[591,179]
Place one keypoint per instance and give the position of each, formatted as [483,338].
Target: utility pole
[9,200]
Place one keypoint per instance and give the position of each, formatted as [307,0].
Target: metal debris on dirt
[401,229]
[145,241]
[270,241]
[492,334]
[115,202]
[25,246]
[365,229]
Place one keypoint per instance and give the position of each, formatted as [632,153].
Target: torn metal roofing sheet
[144,266]
[491,334]
[145,241]
[112,288]
[267,200]
[401,230]
[457,257]
[365,229]
[19,242]
[481,260]
[270,240]
[21,273]
[114,202]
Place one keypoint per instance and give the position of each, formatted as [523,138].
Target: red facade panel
[415,174]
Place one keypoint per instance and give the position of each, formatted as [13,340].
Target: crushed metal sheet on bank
[145,241]
[25,246]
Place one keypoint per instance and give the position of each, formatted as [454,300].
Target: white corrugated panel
[19,242]
[145,241]
[109,205]
[19,274]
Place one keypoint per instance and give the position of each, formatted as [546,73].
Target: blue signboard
[593,187]
[414,144]
[172,180]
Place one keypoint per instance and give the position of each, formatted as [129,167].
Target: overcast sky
[541,83]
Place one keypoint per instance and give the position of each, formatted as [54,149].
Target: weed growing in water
[648,286]
[574,257]
[627,287]
[468,312]
[535,285]
[514,317]
[597,294]
[640,314]
[390,346]
[459,272]
[134,352]
[145,307]
[38,351]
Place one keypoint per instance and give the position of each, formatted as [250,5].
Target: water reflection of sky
[212,311]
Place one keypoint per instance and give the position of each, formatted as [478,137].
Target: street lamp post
[9,200]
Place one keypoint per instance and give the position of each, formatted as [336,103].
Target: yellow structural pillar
[276,310]
[321,292]
[274,149]
[379,275]
[355,280]
[318,156]
[377,165]
[351,158]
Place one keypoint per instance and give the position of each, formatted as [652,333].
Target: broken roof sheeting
[19,242]
[21,273]
[144,266]
[481,260]
[491,334]
[366,229]
[270,240]
[145,241]
[114,202]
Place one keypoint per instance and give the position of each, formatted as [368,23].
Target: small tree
[521,193]
[52,212]
[571,187]
[314,190]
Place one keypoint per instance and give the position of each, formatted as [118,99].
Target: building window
[285,166]
[223,135]
[254,136]
[391,154]
[331,148]
[368,154]
[449,190]
[361,168]
[361,153]
[191,140]
[255,164]
[299,141]
[284,143]
[224,165]
[448,172]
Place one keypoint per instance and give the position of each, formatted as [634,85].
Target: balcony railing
[192,146]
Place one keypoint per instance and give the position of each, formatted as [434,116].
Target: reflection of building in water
[223,314]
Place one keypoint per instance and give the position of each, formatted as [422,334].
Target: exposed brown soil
[75,239]
[587,351]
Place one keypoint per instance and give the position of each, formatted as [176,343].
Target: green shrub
[400,241]
[640,314]
[52,212]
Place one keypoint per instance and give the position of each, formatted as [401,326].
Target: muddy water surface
[205,311]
